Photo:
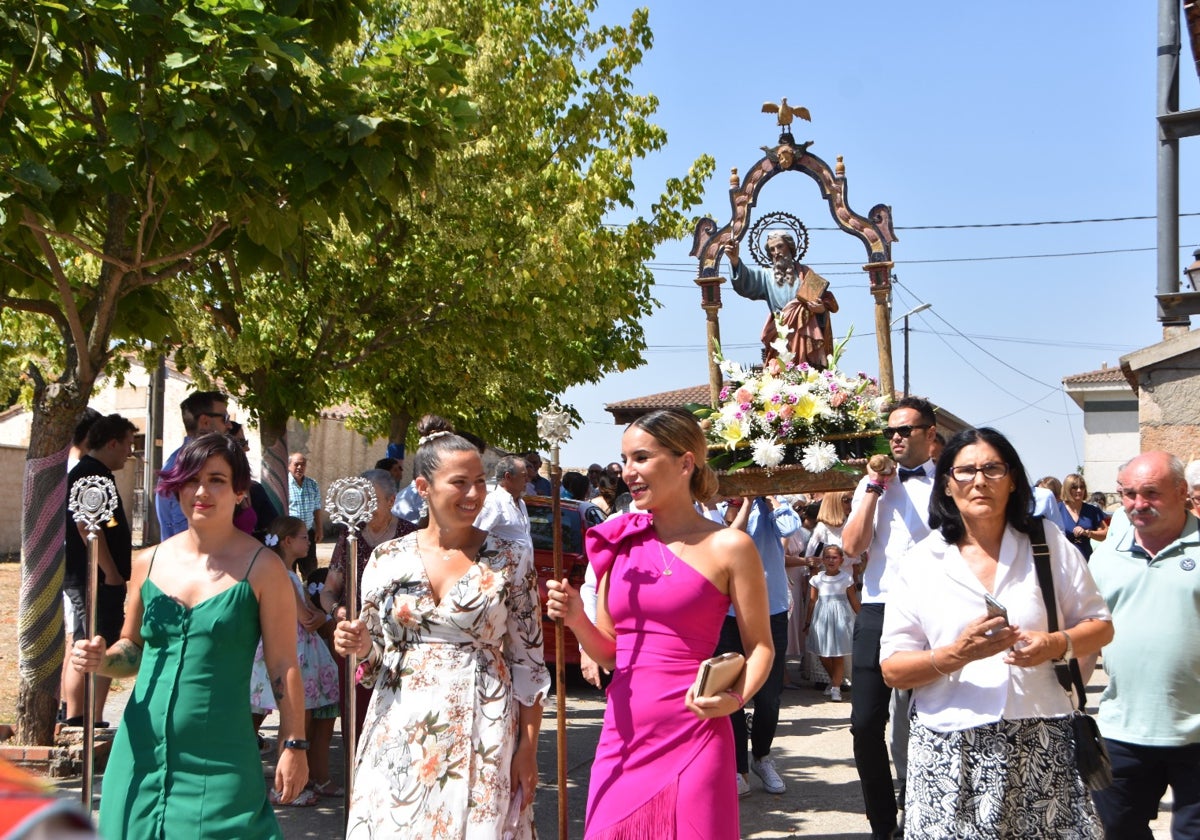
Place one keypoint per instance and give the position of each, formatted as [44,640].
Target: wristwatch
[295,744]
[1069,652]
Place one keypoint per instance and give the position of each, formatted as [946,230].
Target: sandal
[328,788]
[304,800]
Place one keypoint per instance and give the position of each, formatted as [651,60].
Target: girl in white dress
[833,603]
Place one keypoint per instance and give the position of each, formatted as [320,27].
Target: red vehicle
[577,517]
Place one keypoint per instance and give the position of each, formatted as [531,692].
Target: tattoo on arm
[277,688]
[124,657]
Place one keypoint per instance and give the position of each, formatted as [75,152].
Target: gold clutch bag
[718,674]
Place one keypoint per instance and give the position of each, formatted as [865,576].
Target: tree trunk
[272,433]
[40,637]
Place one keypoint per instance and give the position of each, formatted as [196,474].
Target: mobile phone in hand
[995,608]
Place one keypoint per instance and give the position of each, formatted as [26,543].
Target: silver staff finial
[351,502]
[93,501]
[554,424]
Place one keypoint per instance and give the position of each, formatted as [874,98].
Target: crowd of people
[917,593]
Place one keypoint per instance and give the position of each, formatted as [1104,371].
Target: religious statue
[795,292]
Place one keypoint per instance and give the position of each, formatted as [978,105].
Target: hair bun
[433,426]
[704,484]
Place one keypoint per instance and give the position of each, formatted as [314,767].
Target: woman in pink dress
[664,767]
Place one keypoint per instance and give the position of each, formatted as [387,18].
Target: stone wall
[12,474]
[1169,405]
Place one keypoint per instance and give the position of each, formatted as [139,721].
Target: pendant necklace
[449,552]
[666,572]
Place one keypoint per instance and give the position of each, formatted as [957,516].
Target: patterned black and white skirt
[1009,780]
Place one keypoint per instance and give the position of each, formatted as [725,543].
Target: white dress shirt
[901,521]
[505,517]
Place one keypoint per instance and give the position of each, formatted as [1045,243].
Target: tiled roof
[666,399]
[1095,377]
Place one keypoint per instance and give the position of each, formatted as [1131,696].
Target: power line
[976,345]
[688,267]
[1037,342]
[954,350]
[987,225]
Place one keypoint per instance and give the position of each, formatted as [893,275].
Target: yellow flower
[807,406]
[733,433]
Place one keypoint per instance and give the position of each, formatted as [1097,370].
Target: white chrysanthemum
[819,456]
[768,453]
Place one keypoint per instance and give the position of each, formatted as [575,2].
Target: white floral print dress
[434,758]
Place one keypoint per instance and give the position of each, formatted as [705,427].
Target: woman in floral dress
[451,638]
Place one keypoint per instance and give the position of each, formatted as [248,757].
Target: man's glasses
[992,471]
[903,431]
[223,417]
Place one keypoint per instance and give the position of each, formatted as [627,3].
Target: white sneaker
[836,695]
[743,787]
[828,690]
[764,768]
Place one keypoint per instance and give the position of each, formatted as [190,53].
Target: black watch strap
[295,744]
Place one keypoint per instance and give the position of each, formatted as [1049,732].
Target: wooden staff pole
[350,720]
[93,500]
[89,684]
[350,502]
[560,666]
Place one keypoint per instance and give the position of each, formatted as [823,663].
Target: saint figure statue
[796,293]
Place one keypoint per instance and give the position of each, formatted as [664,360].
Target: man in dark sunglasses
[889,515]
[201,412]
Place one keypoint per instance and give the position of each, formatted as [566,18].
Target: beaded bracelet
[877,489]
[740,701]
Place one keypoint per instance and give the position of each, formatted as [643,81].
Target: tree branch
[40,307]
[30,222]
[69,310]
[185,256]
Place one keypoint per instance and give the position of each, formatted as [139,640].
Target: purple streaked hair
[191,459]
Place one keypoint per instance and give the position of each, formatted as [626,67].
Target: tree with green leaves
[517,285]
[491,290]
[137,140]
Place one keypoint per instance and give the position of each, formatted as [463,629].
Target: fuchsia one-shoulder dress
[659,772]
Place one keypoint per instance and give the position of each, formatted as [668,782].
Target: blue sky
[954,114]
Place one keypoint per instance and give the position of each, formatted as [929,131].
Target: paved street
[814,758]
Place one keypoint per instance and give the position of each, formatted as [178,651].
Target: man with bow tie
[889,515]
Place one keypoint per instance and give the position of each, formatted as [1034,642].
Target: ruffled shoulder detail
[611,537]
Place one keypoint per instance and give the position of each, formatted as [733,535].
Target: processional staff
[350,502]
[93,501]
[554,427]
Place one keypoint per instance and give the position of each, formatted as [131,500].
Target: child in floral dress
[288,538]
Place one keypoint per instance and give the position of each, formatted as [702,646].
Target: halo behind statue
[769,222]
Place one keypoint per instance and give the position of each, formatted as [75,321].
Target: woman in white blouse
[991,753]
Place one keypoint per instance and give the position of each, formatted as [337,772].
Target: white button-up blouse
[935,594]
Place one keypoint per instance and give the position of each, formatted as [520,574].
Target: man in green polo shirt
[1150,712]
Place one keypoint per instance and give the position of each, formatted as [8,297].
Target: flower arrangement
[784,411]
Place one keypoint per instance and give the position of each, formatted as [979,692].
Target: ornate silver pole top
[93,501]
[554,424]
[351,502]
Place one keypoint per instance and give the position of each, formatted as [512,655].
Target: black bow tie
[915,472]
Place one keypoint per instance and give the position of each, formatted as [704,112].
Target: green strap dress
[185,761]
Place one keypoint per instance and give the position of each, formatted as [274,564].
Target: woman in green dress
[185,760]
